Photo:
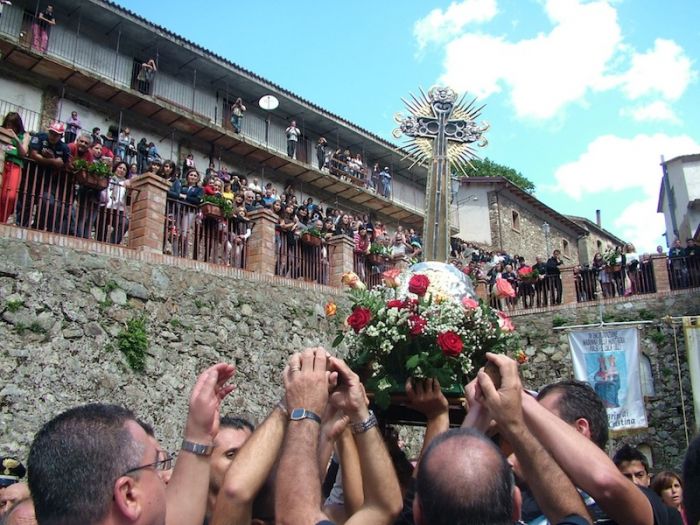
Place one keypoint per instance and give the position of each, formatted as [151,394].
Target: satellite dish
[268,102]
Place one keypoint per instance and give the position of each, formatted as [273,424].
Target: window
[599,245]
[565,247]
[516,220]
[646,376]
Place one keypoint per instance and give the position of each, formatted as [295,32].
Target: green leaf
[339,339]
[412,362]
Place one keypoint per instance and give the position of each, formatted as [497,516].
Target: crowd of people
[322,456]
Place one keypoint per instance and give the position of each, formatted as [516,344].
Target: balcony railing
[54,200]
[301,257]
[369,267]
[192,234]
[30,119]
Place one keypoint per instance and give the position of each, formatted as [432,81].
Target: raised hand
[205,402]
[425,396]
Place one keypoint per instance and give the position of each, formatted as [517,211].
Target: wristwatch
[301,413]
[363,426]
[197,448]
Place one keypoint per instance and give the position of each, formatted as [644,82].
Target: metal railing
[51,199]
[301,257]
[683,272]
[369,267]
[191,234]
[30,119]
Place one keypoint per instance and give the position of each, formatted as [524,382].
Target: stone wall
[62,310]
[524,236]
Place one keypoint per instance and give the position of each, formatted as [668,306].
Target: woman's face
[673,495]
[167,169]
[289,210]
[239,200]
[216,183]
[120,171]
[134,168]
[192,178]
[276,206]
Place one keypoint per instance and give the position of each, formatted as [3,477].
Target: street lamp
[545,230]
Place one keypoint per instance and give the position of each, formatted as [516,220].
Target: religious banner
[691,328]
[608,360]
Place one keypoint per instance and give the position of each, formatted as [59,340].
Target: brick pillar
[147,221]
[261,256]
[660,266]
[568,284]
[50,99]
[340,257]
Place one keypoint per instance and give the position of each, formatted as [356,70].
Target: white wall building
[679,197]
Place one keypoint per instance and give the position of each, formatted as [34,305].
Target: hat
[57,127]
[11,470]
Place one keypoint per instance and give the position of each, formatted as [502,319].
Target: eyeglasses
[162,464]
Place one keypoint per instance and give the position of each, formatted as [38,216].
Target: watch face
[297,413]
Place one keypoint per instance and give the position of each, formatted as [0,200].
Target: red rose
[450,343]
[359,318]
[418,285]
[417,324]
[396,303]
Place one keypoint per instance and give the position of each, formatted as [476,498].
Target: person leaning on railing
[13,127]
[112,221]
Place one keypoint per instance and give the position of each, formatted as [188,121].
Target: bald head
[464,479]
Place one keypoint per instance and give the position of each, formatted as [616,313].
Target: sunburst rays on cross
[461,152]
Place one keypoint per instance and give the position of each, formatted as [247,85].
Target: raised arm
[298,485]
[382,494]
[249,470]
[553,491]
[588,466]
[186,494]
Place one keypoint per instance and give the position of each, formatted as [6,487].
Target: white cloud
[658,111]
[664,70]
[439,26]
[546,72]
[613,163]
[641,225]
[584,52]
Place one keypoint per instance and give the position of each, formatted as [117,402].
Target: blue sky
[583,97]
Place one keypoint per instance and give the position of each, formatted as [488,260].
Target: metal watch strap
[197,448]
[299,414]
[363,426]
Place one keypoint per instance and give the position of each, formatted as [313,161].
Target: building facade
[679,197]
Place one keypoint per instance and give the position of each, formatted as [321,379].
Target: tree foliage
[488,168]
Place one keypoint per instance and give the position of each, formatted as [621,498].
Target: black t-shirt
[48,16]
[59,150]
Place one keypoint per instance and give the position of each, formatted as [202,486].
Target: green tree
[488,168]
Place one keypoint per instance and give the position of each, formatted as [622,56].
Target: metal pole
[116,55]
[680,387]
[194,88]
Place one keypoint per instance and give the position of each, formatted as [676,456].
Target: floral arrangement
[528,274]
[313,231]
[611,257]
[379,249]
[415,326]
[99,169]
[80,165]
[224,205]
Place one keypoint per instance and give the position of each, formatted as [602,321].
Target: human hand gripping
[205,401]
[478,415]
[306,380]
[426,397]
[504,403]
[349,396]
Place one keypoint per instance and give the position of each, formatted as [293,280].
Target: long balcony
[92,50]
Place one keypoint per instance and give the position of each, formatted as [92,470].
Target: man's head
[83,142]
[462,479]
[633,464]
[577,403]
[233,433]
[92,463]
[56,130]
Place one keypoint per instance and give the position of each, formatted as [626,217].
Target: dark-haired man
[633,464]
[95,464]
[233,433]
